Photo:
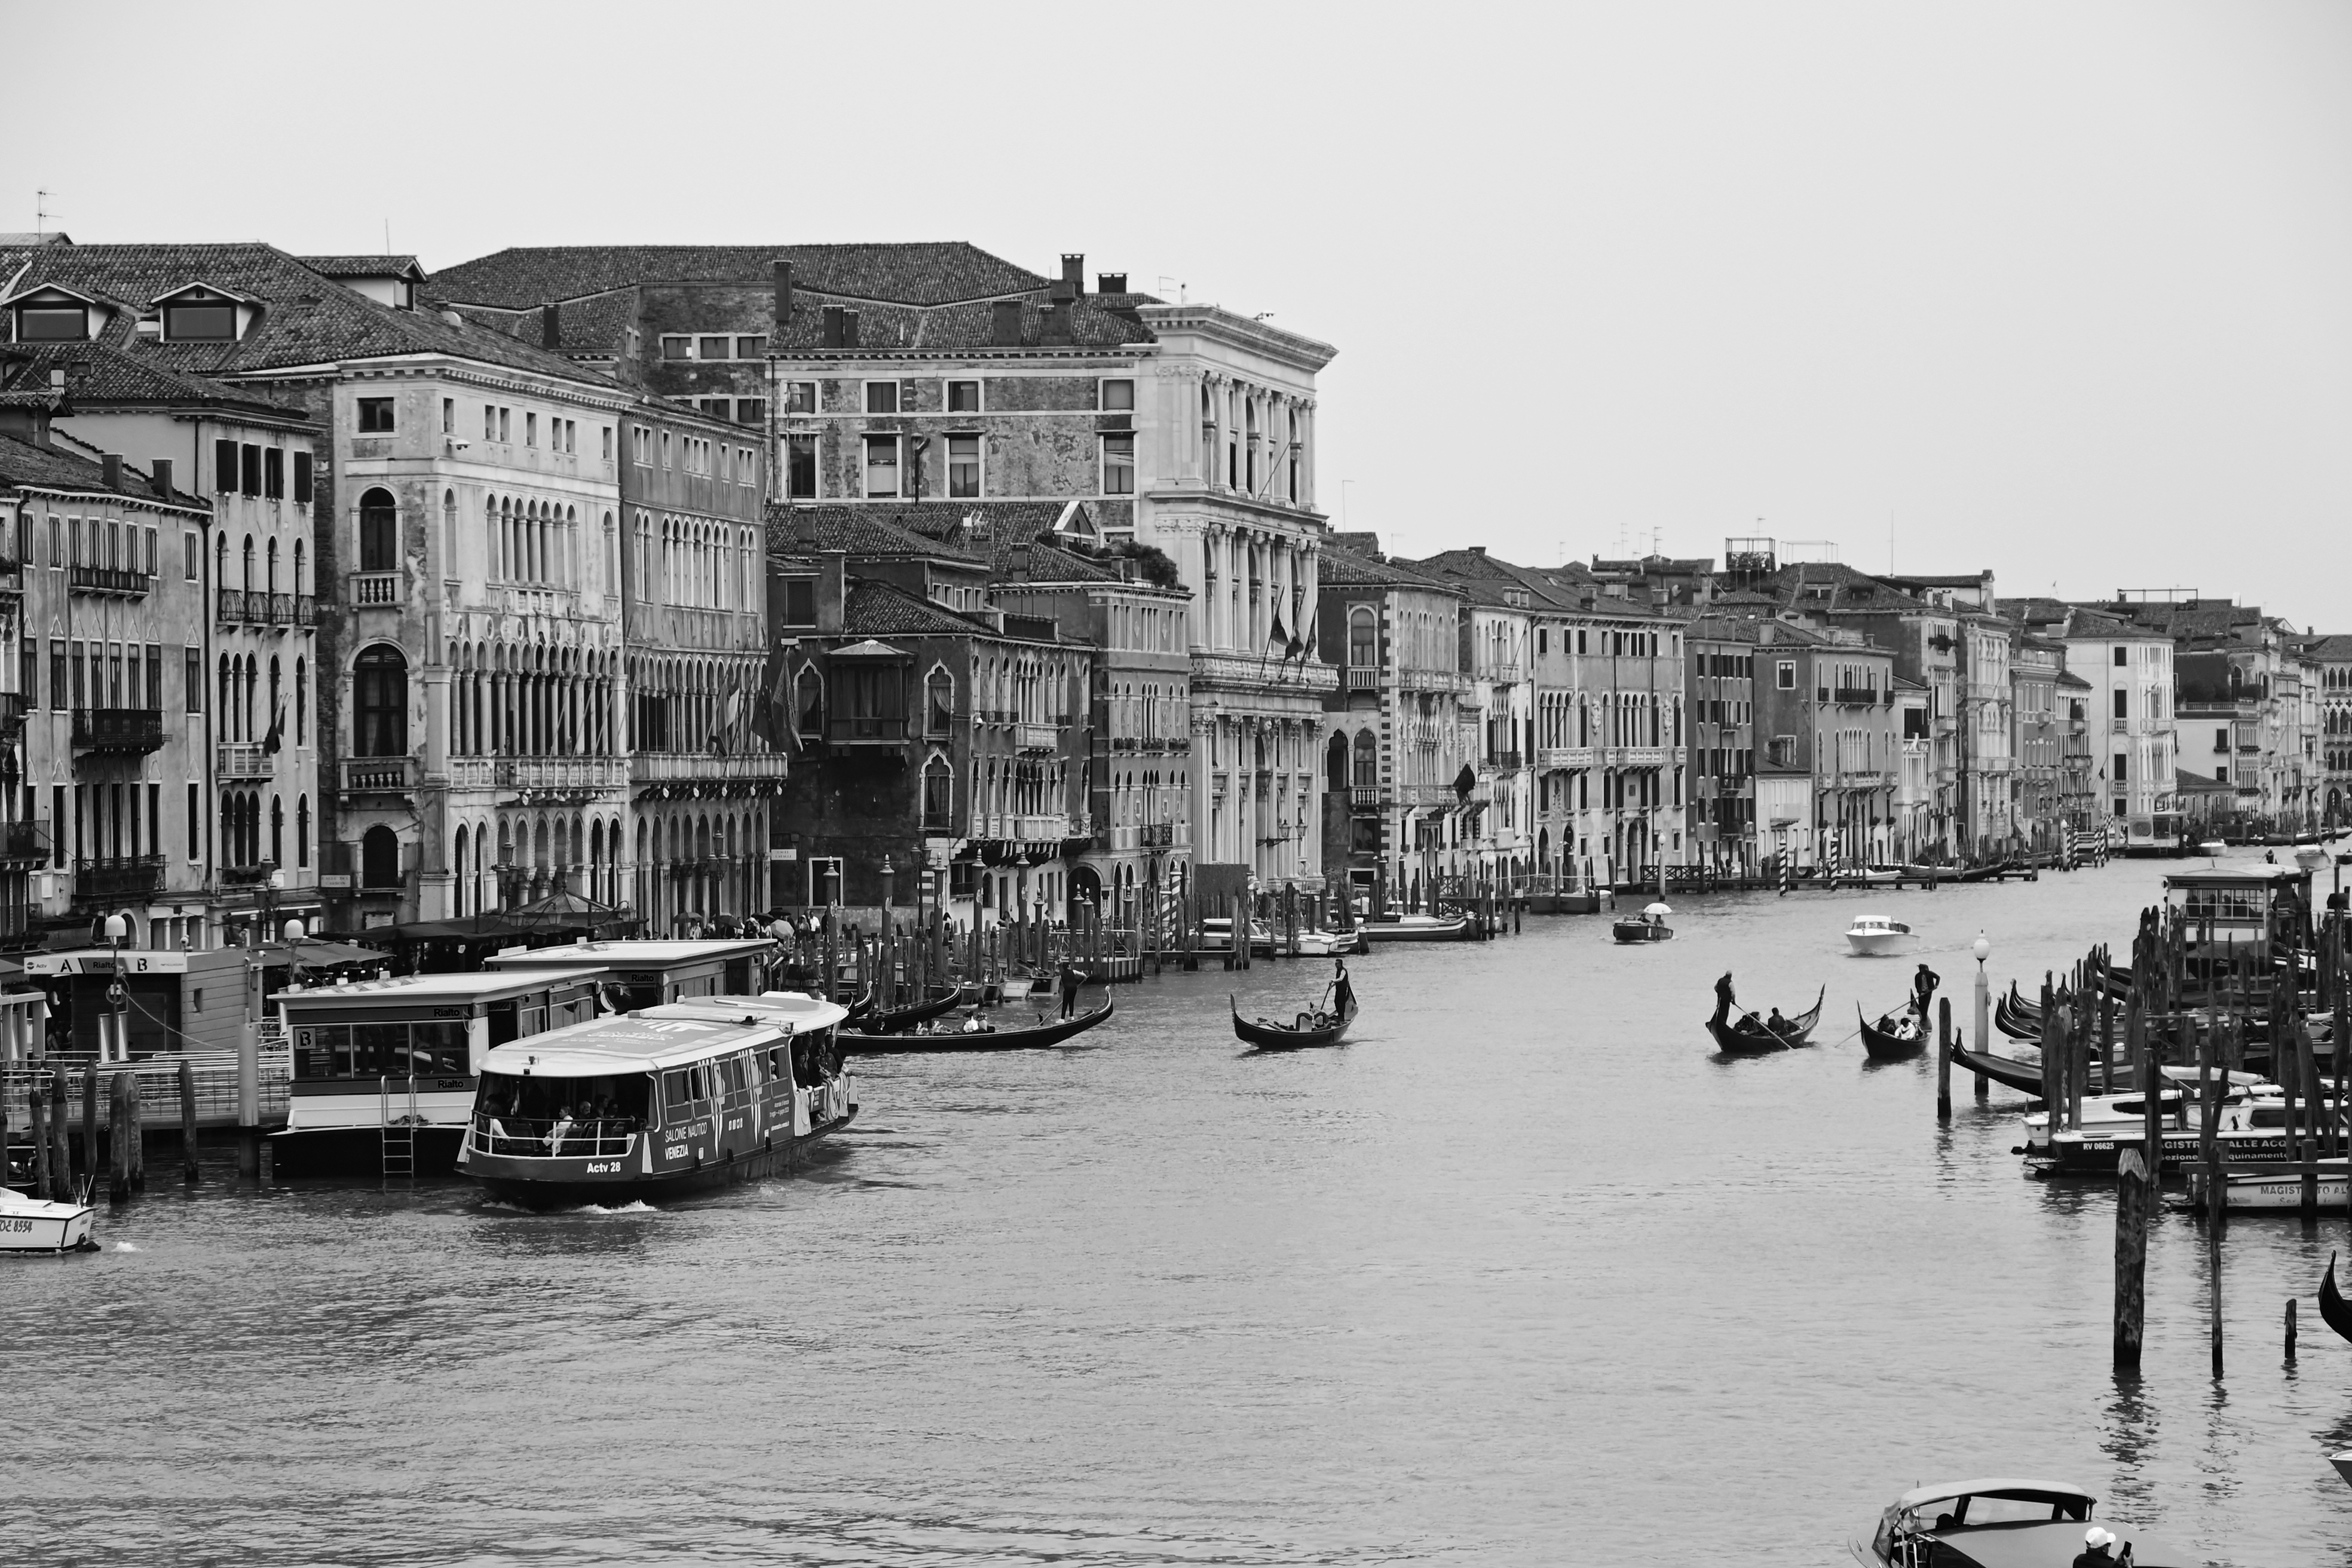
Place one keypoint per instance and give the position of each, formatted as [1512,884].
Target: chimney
[1477,549]
[111,462]
[551,332]
[1058,323]
[831,589]
[1110,282]
[849,329]
[783,271]
[1006,328]
[1074,273]
[830,337]
[162,468]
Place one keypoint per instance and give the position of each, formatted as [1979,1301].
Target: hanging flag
[1464,782]
[1275,634]
[734,721]
[269,742]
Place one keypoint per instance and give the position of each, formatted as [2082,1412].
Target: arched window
[938,795]
[248,583]
[276,705]
[939,710]
[380,857]
[227,708]
[379,531]
[809,691]
[1334,764]
[1368,761]
[301,703]
[271,583]
[302,830]
[380,703]
[220,561]
[1363,640]
[276,830]
[295,586]
[448,533]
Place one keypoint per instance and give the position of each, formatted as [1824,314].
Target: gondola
[1893,1045]
[2332,1305]
[1047,1034]
[1268,1036]
[859,1008]
[1751,1035]
[898,1018]
[2024,1077]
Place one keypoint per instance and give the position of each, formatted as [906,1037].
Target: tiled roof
[869,531]
[1848,589]
[1040,563]
[1345,567]
[361,266]
[597,325]
[1360,543]
[101,373]
[306,318]
[62,467]
[2071,681]
[917,273]
[2328,648]
[876,609]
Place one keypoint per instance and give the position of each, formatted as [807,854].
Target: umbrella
[1657,910]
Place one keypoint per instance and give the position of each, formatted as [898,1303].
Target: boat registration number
[18,1225]
[603,1167]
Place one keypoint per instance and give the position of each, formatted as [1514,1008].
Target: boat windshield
[1984,1511]
[538,1114]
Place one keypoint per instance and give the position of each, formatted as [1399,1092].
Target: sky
[2061,290]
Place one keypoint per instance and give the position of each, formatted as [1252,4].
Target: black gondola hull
[1052,1034]
[1274,1037]
[1884,1046]
[2332,1305]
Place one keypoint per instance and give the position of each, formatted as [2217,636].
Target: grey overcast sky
[2060,289]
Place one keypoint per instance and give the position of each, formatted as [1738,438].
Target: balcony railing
[1564,757]
[118,729]
[251,876]
[375,588]
[243,760]
[866,731]
[565,773]
[1368,797]
[1857,696]
[1361,678]
[1507,761]
[1156,835]
[124,877]
[24,840]
[1037,737]
[649,767]
[1501,671]
[362,773]
[107,580]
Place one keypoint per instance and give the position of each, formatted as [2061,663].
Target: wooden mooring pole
[2136,1192]
[188,1123]
[1944,1059]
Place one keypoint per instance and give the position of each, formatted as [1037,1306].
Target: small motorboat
[1876,936]
[941,1035]
[2009,1522]
[1330,944]
[1321,1025]
[2245,1192]
[1750,1035]
[1422,927]
[2211,847]
[1650,925]
[40,1225]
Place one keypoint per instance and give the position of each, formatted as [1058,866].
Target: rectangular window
[248,468]
[608,443]
[530,429]
[273,473]
[2119,658]
[750,411]
[57,824]
[195,820]
[963,398]
[448,416]
[224,467]
[28,671]
[717,408]
[800,601]
[754,346]
[74,667]
[191,677]
[1786,677]
[665,449]
[199,323]
[679,347]
[302,490]
[1118,397]
[154,675]
[490,423]
[2122,704]
[641,445]
[800,467]
[1118,464]
[800,397]
[505,426]
[881,398]
[570,436]
[963,466]
[375,415]
[882,459]
[52,323]
[57,674]
[711,348]
[193,557]
[2118,774]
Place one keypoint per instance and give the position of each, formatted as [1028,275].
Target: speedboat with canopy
[2001,1523]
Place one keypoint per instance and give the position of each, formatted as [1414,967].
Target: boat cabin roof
[630,954]
[671,1035]
[1884,922]
[2009,1487]
[2236,876]
[416,990]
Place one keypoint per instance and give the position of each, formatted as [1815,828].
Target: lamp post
[117,1046]
[1983,950]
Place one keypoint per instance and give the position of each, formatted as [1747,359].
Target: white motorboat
[2211,847]
[1876,936]
[2244,1191]
[37,1224]
[1328,943]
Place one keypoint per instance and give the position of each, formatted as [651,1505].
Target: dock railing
[159,1087]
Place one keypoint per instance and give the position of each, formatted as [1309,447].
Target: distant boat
[1422,927]
[1874,936]
[1328,943]
[2211,847]
[2246,1192]
[941,1037]
[39,1225]
[1323,1025]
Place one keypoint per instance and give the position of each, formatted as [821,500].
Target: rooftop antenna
[1890,541]
[387,237]
[1165,281]
[41,212]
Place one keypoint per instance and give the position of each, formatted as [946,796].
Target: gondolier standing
[1071,980]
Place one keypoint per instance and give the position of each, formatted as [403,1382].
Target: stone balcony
[1255,674]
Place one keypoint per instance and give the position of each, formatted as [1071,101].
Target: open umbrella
[1657,910]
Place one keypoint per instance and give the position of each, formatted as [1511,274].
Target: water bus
[382,1071]
[659,1101]
[645,974]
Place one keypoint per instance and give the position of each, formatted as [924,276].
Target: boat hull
[1328,943]
[1632,933]
[298,1153]
[1886,1046]
[2096,1154]
[1043,1034]
[2272,1195]
[33,1225]
[1461,929]
[1876,943]
[575,1186]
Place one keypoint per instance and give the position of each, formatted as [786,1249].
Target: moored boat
[658,1101]
[2333,1309]
[2024,1077]
[1876,936]
[2251,1130]
[897,1020]
[2248,1191]
[1422,927]
[2001,1523]
[1328,943]
[42,1224]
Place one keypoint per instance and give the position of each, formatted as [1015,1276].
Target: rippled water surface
[1523,1274]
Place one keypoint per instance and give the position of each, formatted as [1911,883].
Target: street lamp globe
[1981,948]
[117,928]
[293,932]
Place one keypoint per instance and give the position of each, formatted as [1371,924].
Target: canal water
[1524,1275]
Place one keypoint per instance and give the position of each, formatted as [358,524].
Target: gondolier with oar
[1072,978]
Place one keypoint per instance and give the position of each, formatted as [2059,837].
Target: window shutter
[224,467]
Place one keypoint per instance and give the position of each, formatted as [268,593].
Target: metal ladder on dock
[399,1137]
